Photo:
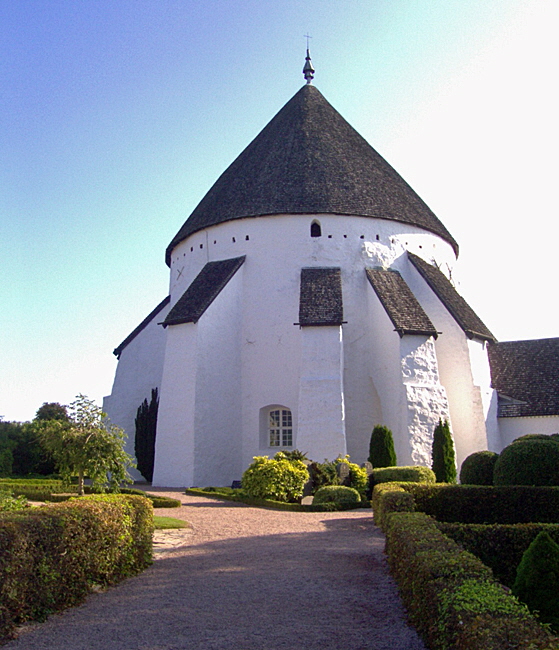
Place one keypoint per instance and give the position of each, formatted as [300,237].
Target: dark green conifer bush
[381,448]
[144,442]
[477,468]
[444,458]
[528,462]
[537,579]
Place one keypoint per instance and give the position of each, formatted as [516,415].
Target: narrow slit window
[316,230]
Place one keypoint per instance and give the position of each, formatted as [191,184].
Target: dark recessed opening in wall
[362,237]
[201,245]
[378,237]
[247,238]
[329,236]
[345,236]
[316,230]
[233,238]
[192,249]
[215,242]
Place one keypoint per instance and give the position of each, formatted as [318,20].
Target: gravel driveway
[245,578]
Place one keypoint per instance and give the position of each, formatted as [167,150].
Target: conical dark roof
[309,160]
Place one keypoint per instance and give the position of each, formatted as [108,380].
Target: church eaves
[309,160]
[463,314]
[320,300]
[400,304]
[204,289]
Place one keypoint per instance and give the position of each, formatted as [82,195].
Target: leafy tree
[381,448]
[144,441]
[86,445]
[52,411]
[28,454]
[444,458]
[537,579]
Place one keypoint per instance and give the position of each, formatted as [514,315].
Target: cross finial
[308,70]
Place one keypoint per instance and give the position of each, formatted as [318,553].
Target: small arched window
[280,428]
[316,230]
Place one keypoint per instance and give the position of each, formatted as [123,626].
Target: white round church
[310,300]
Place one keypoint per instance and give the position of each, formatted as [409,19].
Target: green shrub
[275,478]
[338,494]
[388,498]
[144,439]
[537,579]
[477,468]
[412,473]
[444,458]
[381,447]
[528,462]
[51,556]
[323,474]
[451,598]
[9,503]
[357,478]
[485,504]
[498,546]
[157,500]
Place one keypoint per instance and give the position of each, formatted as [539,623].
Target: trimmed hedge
[388,498]
[499,546]
[531,461]
[239,496]
[51,556]
[485,504]
[338,494]
[410,473]
[477,468]
[451,597]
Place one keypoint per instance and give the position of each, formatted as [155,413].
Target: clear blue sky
[117,117]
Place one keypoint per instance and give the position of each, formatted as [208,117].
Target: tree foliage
[144,441]
[52,411]
[85,445]
[444,457]
[537,579]
[381,447]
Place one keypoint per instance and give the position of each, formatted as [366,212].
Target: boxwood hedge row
[451,596]
[51,556]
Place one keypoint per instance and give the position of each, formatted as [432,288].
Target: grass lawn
[161,523]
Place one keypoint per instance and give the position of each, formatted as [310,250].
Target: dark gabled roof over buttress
[400,304]
[526,372]
[309,160]
[320,301]
[459,309]
[204,289]
[147,320]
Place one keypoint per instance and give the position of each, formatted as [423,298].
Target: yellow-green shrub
[275,478]
[51,556]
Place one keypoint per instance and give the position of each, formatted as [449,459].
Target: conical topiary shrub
[537,579]
[444,458]
[381,448]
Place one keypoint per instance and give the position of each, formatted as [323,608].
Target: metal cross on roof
[308,70]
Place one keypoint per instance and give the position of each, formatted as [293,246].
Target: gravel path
[245,579]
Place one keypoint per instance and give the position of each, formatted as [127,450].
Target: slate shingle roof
[320,301]
[204,289]
[400,304]
[527,372]
[309,160]
[459,309]
[118,350]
